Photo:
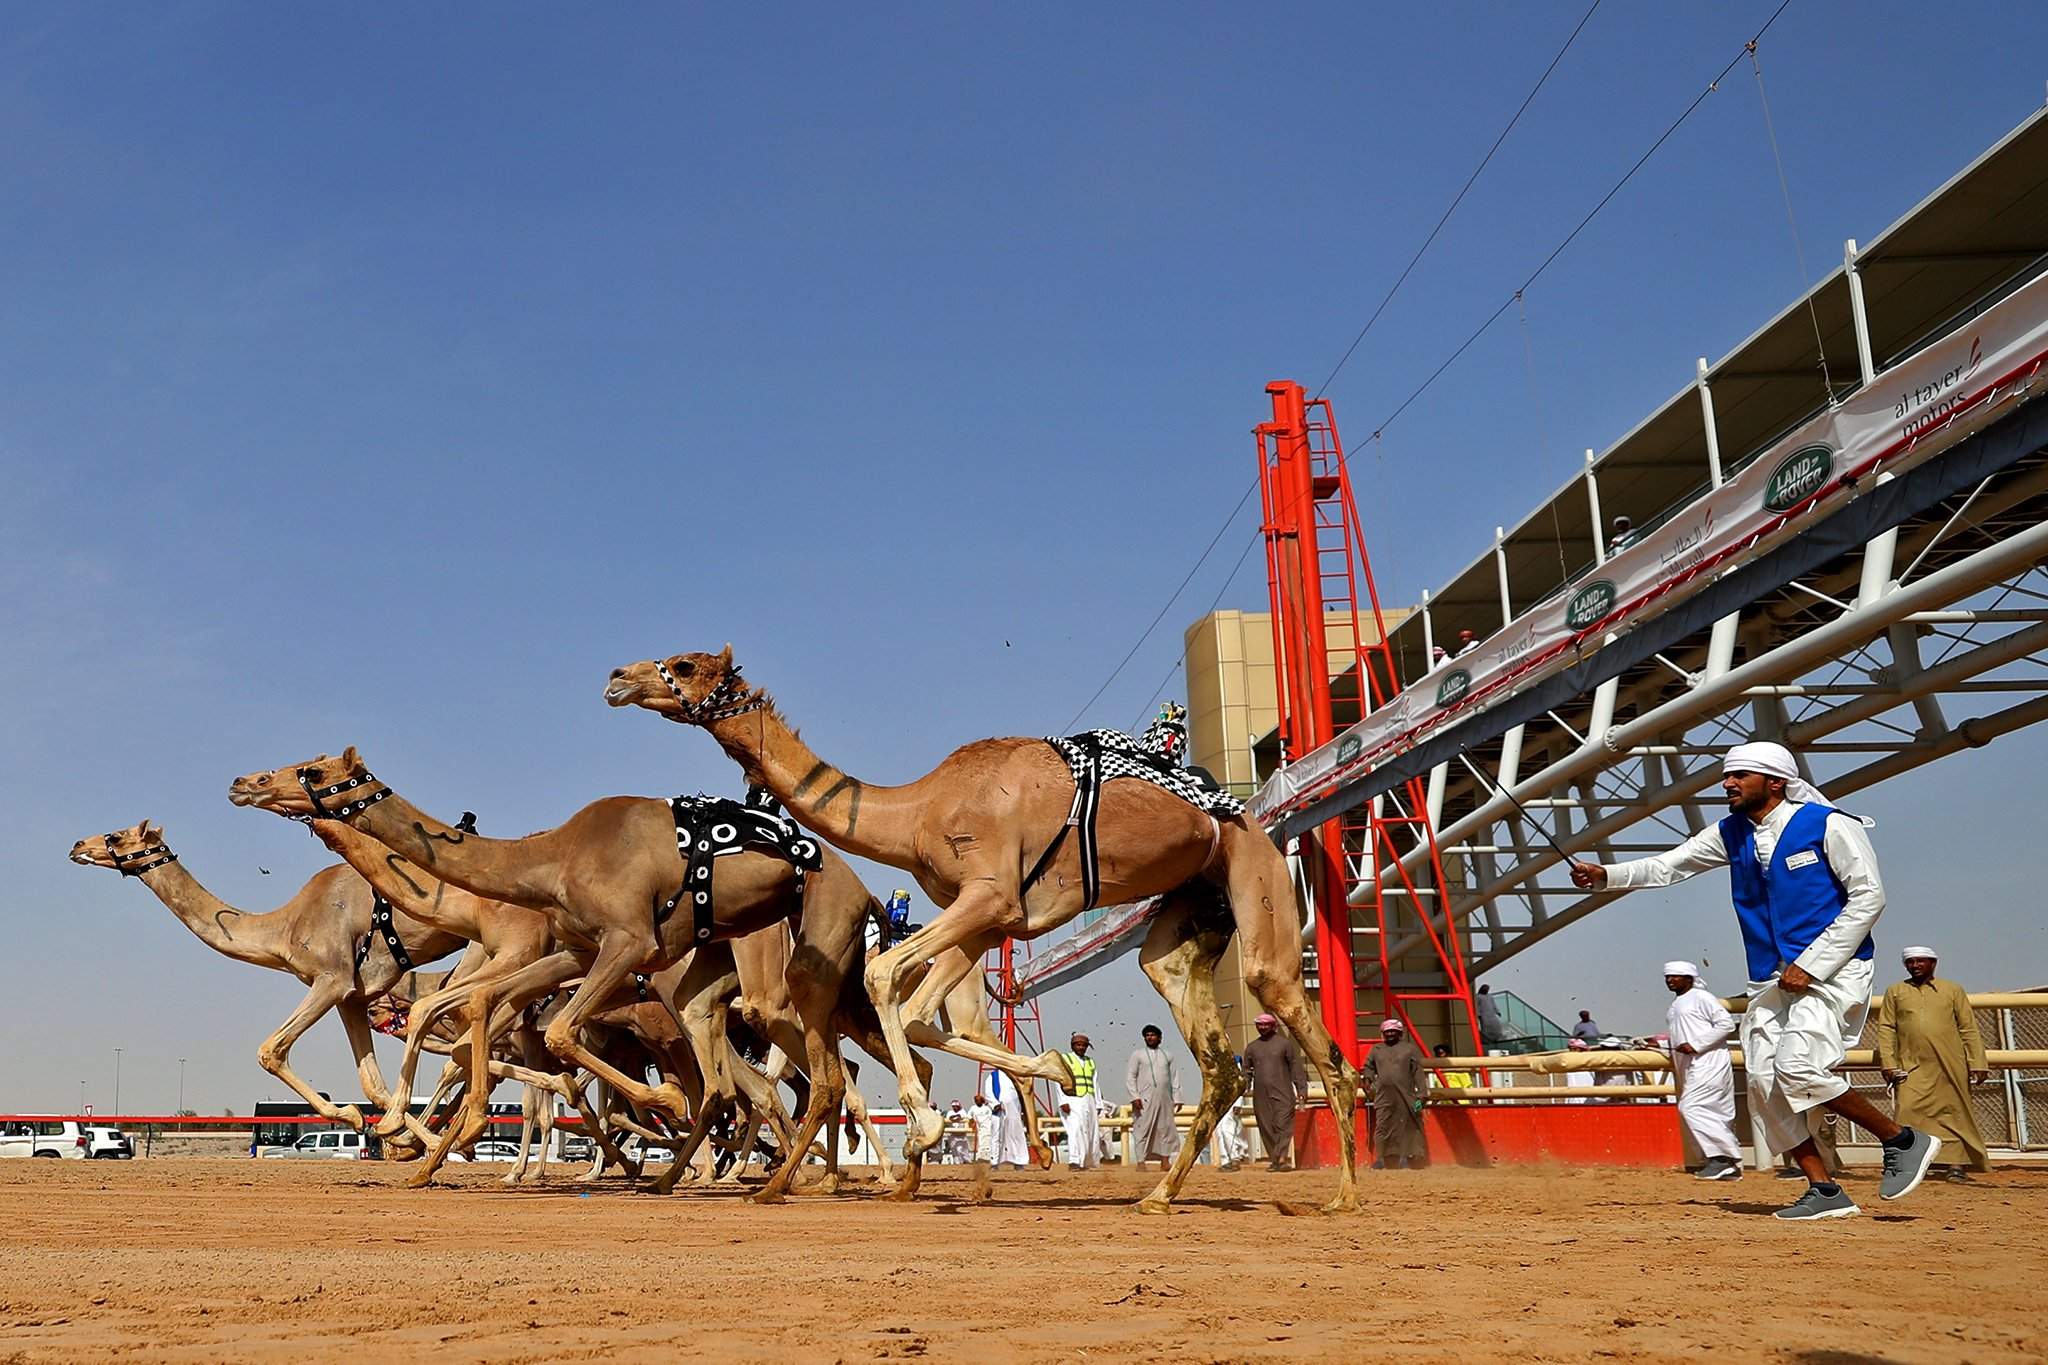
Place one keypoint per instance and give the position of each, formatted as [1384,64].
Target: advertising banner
[1905,416]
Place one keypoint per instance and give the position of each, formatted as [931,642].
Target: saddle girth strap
[708,829]
[380,924]
[1081,817]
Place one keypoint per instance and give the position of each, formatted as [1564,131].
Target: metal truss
[1931,639]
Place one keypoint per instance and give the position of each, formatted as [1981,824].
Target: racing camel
[973,832]
[619,895]
[323,936]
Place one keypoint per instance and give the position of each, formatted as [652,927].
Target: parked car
[489,1150]
[43,1137]
[329,1146]
[105,1143]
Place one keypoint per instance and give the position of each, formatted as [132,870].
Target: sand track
[273,1261]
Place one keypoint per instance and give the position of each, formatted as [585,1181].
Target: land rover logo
[1348,747]
[1453,687]
[1798,477]
[1589,604]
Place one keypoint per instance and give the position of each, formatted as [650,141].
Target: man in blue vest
[1806,891]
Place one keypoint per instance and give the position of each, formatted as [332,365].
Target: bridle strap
[132,864]
[730,698]
[351,807]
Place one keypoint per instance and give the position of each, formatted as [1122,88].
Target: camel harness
[132,864]
[712,827]
[380,923]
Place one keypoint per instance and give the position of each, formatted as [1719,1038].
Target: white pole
[1856,311]
[1500,564]
[1593,501]
[1713,431]
[1428,633]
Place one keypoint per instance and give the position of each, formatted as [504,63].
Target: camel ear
[350,759]
[149,831]
[725,655]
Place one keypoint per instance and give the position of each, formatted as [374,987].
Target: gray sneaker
[1906,1167]
[1720,1168]
[1814,1204]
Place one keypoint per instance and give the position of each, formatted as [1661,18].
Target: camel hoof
[419,1181]
[1343,1203]
[827,1184]
[669,1100]
[1152,1203]
[767,1195]
[351,1115]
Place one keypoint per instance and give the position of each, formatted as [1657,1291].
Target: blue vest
[1783,909]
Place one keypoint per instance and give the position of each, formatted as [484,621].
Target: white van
[43,1137]
[328,1146]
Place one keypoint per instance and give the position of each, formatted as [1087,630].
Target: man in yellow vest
[1079,1110]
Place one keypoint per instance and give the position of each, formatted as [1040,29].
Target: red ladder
[1329,673]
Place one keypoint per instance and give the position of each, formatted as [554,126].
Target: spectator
[1079,1111]
[1699,1029]
[959,1135]
[981,1117]
[1491,1030]
[1012,1150]
[1279,1082]
[1586,1028]
[1467,642]
[1930,1051]
[1450,1079]
[1231,1147]
[1155,1090]
[1622,536]
[1396,1070]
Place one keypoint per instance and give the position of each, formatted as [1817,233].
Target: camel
[973,832]
[314,936]
[604,878]
[514,937]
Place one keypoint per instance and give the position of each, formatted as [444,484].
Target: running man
[1806,890]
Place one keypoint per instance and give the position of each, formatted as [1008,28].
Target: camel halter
[131,864]
[345,810]
[722,702]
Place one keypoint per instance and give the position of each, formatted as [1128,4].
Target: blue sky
[388,379]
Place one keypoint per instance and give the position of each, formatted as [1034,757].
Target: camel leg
[815,993]
[857,1106]
[1269,928]
[608,1152]
[617,955]
[426,1014]
[355,1018]
[275,1054]
[702,1003]
[966,1014]
[527,984]
[1179,957]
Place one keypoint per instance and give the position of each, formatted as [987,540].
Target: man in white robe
[981,1116]
[1011,1149]
[1154,1084]
[1699,1028]
[1803,878]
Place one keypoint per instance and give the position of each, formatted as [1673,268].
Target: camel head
[694,689]
[127,851]
[323,788]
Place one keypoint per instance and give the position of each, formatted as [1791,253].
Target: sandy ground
[272,1261]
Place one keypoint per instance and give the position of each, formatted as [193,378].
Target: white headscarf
[1774,760]
[1917,950]
[1681,969]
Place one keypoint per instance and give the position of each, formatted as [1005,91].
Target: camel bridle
[352,807]
[730,698]
[132,864]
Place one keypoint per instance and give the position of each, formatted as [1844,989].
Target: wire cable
[1458,199]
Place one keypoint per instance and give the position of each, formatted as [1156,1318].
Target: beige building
[1232,711]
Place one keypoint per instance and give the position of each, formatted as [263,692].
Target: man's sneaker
[1905,1167]
[1790,1173]
[1720,1168]
[1815,1204]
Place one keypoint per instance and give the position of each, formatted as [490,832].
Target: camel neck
[497,869]
[870,822]
[400,882]
[220,926]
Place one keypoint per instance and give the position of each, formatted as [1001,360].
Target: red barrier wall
[1490,1135]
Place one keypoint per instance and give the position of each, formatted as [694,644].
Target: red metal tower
[1328,673]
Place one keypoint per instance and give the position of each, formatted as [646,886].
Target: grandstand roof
[1950,254]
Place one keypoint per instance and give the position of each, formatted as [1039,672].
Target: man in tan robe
[1928,1047]
[1399,1075]
[1279,1083]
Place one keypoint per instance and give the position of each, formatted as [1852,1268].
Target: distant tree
[188,1113]
[227,1113]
